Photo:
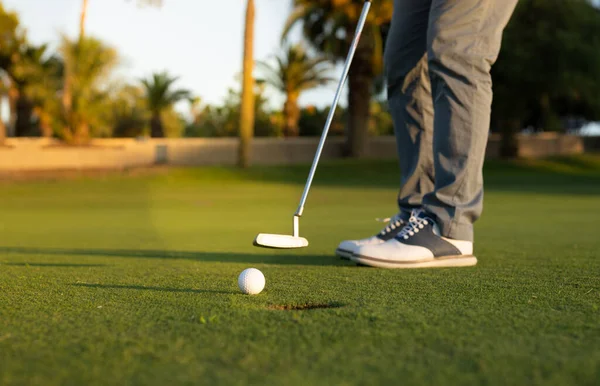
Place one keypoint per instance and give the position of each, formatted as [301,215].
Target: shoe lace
[393,223]
[414,224]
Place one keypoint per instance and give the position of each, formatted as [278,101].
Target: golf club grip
[355,40]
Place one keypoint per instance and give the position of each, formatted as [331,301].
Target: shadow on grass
[221,257]
[161,289]
[55,265]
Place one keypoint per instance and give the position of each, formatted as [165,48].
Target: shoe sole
[446,261]
[343,254]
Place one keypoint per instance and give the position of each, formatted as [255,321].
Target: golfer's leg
[464,39]
[409,98]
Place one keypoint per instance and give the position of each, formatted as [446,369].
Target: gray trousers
[438,58]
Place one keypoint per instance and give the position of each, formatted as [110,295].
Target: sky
[201,41]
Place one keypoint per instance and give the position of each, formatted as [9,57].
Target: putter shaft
[311,174]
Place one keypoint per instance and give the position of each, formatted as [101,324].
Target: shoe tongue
[418,214]
[404,215]
[421,215]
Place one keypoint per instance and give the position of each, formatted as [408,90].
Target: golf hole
[304,307]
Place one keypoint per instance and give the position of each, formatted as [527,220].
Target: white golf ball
[251,281]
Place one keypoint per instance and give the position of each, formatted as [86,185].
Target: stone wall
[36,154]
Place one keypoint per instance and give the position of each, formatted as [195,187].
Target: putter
[267,240]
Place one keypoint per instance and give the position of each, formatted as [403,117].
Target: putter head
[267,240]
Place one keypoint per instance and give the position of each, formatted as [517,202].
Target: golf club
[268,240]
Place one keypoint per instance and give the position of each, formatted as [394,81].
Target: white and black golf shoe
[395,225]
[418,245]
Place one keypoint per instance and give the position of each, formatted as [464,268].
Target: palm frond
[160,94]
[328,25]
[270,75]
[295,17]
[294,71]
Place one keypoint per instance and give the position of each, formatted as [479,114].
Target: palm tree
[91,63]
[293,73]
[67,93]
[37,77]
[329,26]
[12,39]
[31,77]
[160,96]
[247,102]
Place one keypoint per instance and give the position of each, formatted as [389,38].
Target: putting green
[132,279]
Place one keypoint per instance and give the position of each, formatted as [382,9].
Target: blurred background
[117,83]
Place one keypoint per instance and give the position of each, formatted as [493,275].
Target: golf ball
[251,281]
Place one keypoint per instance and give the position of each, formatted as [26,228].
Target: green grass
[132,279]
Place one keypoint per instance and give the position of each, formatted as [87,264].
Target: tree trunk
[2,125]
[360,83]
[195,110]
[359,114]
[24,114]
[44,121]
[292,115]
[156,126]
[82,133]
[2,132]
[67,96]
[247,103]
[13,96]
[82,19]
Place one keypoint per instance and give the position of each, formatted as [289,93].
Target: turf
[132,279]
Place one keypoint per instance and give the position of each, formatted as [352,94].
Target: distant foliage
[547,76]
[548,68]
[223,121]
[312,121]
